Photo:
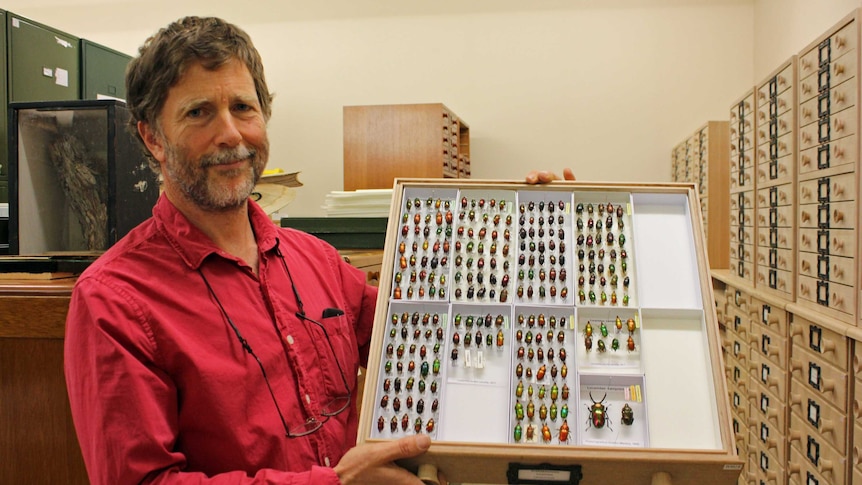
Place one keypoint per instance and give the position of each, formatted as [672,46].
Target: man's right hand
[375,463]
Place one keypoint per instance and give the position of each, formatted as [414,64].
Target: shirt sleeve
[124,406]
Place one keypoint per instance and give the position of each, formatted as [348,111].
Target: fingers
[406,447]
[544,176]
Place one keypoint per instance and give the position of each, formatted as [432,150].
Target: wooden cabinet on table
[775,158]
[384,142]
[828,172]
[702,158]
[742,191]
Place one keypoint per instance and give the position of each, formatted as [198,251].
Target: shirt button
[308,399]
[289,339]
[326,461]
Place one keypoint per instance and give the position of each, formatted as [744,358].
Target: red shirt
[160,388]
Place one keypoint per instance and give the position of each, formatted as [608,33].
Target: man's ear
[152,140]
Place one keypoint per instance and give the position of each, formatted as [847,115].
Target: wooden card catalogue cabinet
[560,333]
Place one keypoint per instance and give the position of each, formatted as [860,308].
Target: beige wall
[606,90]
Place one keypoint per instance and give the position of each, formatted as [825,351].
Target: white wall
[605,90]
[785,27]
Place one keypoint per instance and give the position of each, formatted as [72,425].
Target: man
[210,345]
[166,329]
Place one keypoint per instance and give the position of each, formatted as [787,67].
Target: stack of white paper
[358,203]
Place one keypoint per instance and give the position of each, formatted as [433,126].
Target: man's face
[212,145]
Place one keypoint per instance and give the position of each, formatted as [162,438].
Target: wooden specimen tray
[560,333]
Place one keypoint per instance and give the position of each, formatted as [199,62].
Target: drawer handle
[839,272]
[762,219]
[806,266]
[839,97]
[762,240]
[840,42]
[838,125]
[837,215]
[806,241]
[838,69]
[782,240]
[838,243]
[806,88]
[761,198]
[806,113]
[760,276]
[837,151]
[806,217]
[839,302]
[806,192]
[806,161]
[838,189]
[806,137]
[782,262]
[762,96]
[782,104]
[806,64]
[805,290]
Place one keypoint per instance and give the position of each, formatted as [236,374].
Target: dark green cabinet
[103,71]
[43,62]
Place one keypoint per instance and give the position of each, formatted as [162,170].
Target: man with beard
[210,345]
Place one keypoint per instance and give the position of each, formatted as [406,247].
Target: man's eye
[194,113]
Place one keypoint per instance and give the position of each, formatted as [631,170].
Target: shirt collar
[193,246]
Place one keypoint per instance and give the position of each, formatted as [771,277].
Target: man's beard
[206,189]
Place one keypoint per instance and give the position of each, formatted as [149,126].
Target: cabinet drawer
[825,130]
[833,295]
[767,467]
[776,195]
[800,471]
[783,125]
[741,199]
[817,454]
[741,234]
[831,346]
[773,258]
[833,188]
[814,373]
[837,242]
[838,215]
[742,218]
[767,407]
[780,237]
[746,159]
[831,268]
[768,375]
[841,97]
[743,252]
[781,216]
[769,345]
[775,319]
[742,180]
[779,173]
[836,153]
[738,323]
[820,416]
[775,279]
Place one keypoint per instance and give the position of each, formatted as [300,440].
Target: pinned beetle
[598,414]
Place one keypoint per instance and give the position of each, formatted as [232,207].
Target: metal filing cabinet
[43,62]
[742,187]
[102,71]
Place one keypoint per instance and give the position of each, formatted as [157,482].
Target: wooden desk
[37,438]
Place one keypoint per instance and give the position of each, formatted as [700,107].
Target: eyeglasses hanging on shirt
[333,407]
